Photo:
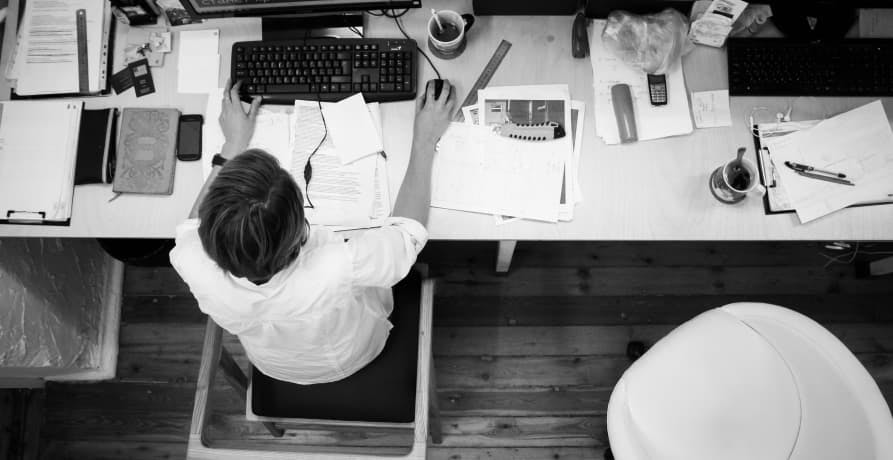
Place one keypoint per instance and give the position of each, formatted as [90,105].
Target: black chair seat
[383,391]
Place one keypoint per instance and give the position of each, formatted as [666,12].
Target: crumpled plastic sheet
[650,42]
[51,297]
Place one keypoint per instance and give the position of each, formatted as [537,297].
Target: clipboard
[774,200]
[105,60]
[36,170]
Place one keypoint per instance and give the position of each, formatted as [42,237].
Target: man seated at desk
[308,306]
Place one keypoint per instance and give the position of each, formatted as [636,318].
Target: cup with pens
[733,181]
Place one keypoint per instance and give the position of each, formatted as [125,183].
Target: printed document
[858,143]
[46,56]
[479,171]
[652,122]
[342,195]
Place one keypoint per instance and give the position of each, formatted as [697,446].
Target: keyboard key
[341,79]
[387,87]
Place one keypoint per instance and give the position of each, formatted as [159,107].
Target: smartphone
[657,89]
[189,138]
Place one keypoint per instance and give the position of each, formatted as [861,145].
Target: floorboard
[526,361]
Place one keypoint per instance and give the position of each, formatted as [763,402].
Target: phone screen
[189,147]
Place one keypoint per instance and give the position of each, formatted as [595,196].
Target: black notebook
[96,147]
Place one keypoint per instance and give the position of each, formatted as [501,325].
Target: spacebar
[287,89]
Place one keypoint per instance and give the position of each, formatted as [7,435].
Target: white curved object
[749,381]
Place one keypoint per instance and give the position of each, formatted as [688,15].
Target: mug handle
[469,21]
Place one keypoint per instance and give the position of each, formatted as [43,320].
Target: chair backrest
[748,381]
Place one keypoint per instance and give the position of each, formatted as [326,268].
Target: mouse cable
[419,48]
[308,168]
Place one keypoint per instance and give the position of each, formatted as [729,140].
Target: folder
[38,146]
[59,53]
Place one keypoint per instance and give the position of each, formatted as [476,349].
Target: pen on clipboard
[811,172]
[813,169]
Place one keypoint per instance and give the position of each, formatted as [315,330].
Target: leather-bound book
[146,153]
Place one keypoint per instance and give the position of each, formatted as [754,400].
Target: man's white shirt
[320,319]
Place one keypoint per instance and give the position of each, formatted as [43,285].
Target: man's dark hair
[252,218]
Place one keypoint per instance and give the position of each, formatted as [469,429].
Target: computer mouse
[438,87]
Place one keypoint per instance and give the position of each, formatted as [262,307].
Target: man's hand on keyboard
[237,124]
[433,114]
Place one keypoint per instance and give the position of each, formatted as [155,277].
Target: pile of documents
[652,122]
[36,169]
[857,144]
[349,183]
[478,170]
[46,56]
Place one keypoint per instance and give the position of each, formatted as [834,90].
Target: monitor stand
[312,26]
[821,20]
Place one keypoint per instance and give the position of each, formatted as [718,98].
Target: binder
[36,73]
[38,143]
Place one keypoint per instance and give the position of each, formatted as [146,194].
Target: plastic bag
[649,42]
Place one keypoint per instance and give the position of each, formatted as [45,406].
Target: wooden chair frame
[214,354]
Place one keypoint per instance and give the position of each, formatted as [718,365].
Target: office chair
[393,394]
[749,381]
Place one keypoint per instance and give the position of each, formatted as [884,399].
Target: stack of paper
[45,59]
[478,170]
[856,143]
[652,122]
[37,170]
[198,64]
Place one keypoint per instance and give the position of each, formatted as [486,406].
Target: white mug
[455,26]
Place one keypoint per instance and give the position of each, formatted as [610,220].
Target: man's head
[252,218]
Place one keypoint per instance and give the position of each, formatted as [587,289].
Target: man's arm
[237,126]
[432,119]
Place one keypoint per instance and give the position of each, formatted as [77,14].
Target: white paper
[714,26]
[198,61]
[37,170]
[875,23]
[479,171]
[342,195]
[272,131]
[652,122]
[858,143]
[351,128]
[199,42]
[710,109]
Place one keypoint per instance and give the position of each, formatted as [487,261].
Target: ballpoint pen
[824,178]
[807,168]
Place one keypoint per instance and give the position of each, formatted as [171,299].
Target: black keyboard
[783,67]
[326,69]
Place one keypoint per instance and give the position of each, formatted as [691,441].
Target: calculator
[657,89]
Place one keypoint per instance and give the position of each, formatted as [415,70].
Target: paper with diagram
[477,170]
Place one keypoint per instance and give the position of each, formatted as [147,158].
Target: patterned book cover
[146,154]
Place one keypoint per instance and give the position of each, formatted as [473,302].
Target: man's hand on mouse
[433,114]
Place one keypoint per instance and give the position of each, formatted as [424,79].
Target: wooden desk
[655,190]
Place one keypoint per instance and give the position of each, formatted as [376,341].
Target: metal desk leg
[881,267]
[504,257]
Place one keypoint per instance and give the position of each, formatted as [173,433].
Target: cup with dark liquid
[446,40]
[733,181]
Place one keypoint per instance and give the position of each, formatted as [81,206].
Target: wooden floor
[525,361]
